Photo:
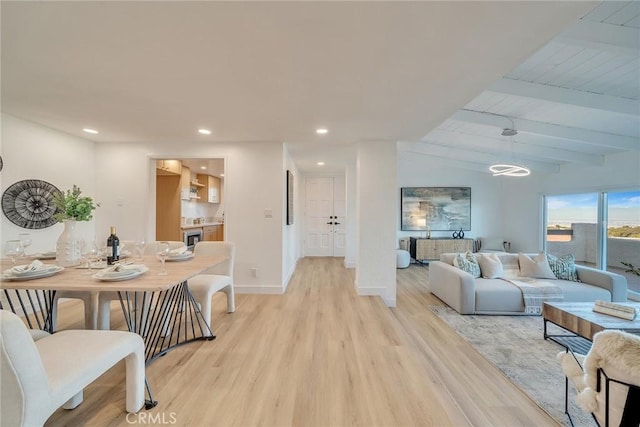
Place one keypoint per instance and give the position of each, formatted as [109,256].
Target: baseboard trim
[289,275]
[264,290]
[370,291]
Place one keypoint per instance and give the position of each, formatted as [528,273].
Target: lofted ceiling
[574,101]
[444,78]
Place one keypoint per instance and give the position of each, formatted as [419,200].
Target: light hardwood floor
[319,355]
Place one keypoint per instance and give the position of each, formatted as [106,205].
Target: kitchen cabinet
[213,233]
[168,207]
[196,189]
[185,183]
[168,167]
[211,191]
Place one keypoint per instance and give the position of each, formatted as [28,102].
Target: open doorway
[190,200]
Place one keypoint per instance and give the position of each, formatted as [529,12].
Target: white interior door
[339,216]
[325,216]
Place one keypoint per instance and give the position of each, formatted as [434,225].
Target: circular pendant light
[509,170]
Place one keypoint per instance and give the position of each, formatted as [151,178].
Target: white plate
[121,275]
[44,269]
[38,274]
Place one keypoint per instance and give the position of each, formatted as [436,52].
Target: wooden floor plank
[319,355]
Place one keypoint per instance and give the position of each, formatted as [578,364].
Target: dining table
[158,307]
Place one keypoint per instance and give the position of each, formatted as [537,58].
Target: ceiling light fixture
[509,169]
[89,130]
[204,168]
[204,131]
[320,163]
[322,131]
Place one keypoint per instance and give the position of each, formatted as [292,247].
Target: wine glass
[162,252]
[90,253]
[25,238]
[140,245]
[13,249]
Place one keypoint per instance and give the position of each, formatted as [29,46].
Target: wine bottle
[113,244]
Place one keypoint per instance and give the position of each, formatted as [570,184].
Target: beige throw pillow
[538,267]
[491,266]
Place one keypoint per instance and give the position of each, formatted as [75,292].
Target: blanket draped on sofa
[535,292]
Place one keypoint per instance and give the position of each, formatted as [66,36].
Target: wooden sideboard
[430,249]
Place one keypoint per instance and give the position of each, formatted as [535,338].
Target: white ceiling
[573,101]
[275,71]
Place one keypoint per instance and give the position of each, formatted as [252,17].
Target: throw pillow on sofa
[491,266]
[563,267]
[536,267]
[467,262]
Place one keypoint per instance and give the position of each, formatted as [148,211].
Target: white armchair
[607,379]
[38,377]
[215,279]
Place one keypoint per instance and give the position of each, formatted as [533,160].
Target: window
[573,222]
[623,234]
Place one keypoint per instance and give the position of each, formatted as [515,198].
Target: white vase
[68,247]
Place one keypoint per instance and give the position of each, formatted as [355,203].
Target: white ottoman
[402,258]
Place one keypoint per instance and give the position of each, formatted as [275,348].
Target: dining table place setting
[179,254]
[120,271]
[34,270]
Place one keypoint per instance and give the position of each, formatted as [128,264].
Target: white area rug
[516,346]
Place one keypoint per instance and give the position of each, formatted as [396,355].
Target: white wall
[417,170]
[253,184]
[620,172]
[351,178]
[31,151]
[377,218]
[291,234]
[121,177]
[512,207]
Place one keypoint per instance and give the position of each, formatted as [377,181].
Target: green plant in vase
[71,207]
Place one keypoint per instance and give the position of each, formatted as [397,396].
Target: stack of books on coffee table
[615,309]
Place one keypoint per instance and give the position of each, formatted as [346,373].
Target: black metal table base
[165,320]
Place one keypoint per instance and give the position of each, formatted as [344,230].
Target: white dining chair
[38,377]
[216,279]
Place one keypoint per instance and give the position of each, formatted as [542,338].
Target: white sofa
[469,295]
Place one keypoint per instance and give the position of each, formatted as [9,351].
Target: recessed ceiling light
[204,131]
[88,130]
[204,168]
[320,163]
[322,131]
[221,175]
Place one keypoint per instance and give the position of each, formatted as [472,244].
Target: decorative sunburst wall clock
[29,203]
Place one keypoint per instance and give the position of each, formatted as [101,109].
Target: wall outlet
[254,272]
[268,213]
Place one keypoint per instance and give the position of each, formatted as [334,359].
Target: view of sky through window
[623,209]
